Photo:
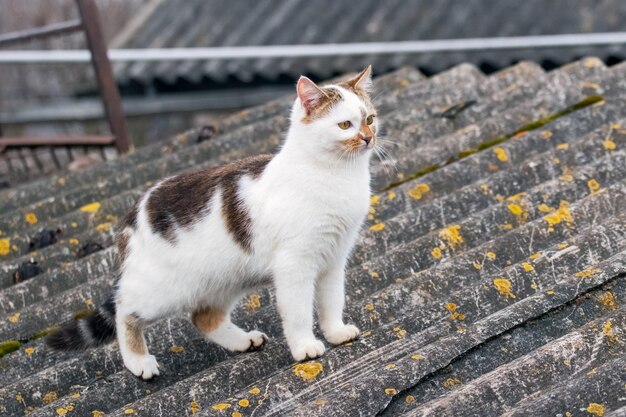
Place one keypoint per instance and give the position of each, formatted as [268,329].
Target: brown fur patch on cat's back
[128,222]
[236,216]
[183,200]
[332,97]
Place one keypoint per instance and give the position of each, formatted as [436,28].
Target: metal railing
[319,50]
[89,22]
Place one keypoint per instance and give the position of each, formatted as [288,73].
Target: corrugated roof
[198,23]
[489,280]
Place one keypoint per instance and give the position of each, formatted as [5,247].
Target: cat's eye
[370,119]
[344,125]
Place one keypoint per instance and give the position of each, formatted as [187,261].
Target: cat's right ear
[311,96]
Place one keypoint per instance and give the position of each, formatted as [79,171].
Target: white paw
[309,349]
[342,334]
[246,342]
[144,366]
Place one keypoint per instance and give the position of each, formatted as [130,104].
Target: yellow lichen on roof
[593,185]
[452,383]
[399,331]
[607,300]
[503,286]
[501,154]
[609,333]
[609,144]
[50,397]
[31,218]
[103,227]
[518,211]
[308,370]
[418,191]
[377,227]
[595,409]
[91,207]
[544,208]
[194,407]
[436,252]
[455,315]
[5,246]
[586,273]
[561,215]
[452,235]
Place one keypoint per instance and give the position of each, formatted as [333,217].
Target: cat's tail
[96,329]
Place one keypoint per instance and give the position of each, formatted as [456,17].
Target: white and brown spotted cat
[196,243]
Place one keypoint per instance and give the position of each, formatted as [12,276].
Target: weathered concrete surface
[500,268]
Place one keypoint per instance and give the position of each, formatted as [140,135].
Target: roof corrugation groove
[489,279]
[237,23]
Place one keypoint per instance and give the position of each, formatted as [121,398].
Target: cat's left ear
[363,80]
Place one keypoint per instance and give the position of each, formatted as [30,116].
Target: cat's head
[339,119]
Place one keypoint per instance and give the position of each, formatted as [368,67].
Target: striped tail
[96,329]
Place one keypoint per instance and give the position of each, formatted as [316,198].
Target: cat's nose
[366,139]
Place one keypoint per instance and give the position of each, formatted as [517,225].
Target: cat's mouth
[359,143]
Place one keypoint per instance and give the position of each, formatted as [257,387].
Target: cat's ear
[310,94]
[363,80]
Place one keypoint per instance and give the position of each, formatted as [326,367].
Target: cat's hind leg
[215,324]
[133,347]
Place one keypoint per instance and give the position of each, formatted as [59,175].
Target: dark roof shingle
[275,22]
[489,278]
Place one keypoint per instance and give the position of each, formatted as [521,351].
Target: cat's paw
[245,342]
[343,334]
[308,349]
[144,366]
[257,340]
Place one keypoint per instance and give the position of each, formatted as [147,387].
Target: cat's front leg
[330,299]
[295,291]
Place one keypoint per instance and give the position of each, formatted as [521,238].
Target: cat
[197,243]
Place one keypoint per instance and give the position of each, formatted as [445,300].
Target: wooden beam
[41,32]
[76,140]
[104,74]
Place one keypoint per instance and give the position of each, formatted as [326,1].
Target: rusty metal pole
[104,74]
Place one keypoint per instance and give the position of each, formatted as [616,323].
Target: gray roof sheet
[489,279]
[198,23]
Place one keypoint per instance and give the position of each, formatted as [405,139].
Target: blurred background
[163,98]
